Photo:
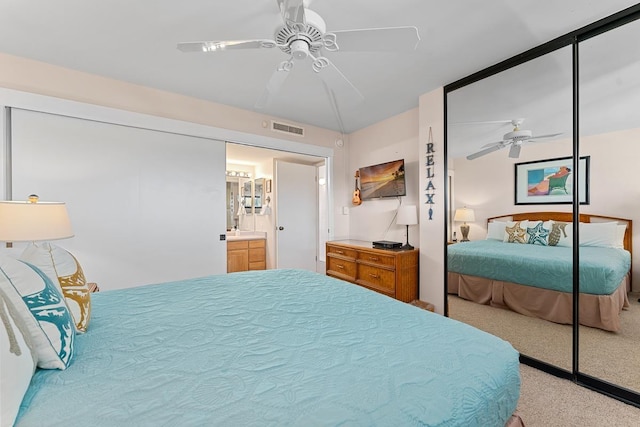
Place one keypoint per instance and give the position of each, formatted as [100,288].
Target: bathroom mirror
[232,202]
[240,203]
[247,196]
[258,195]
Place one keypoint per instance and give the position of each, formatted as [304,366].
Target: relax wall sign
[430,165]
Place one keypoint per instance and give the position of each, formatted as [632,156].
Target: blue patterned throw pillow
[42,308]
[538,233]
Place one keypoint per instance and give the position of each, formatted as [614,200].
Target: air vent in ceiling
[283,127]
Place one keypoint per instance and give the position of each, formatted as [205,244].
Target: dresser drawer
[259,243]
[377,278]
[257,265]
[376,258]
[257,254]
[237,245]
[342,267]
[345,252]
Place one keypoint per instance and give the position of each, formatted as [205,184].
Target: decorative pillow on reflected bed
[17,361]
[538,232]
[65,271]
[41,308]
[516,232]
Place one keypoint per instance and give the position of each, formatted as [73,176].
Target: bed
[275,347]
[535,278]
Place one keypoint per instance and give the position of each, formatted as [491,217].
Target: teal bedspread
[549,267]
[274,348]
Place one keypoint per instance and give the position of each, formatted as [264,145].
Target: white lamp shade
[464,215]
[407,215]
[29,222]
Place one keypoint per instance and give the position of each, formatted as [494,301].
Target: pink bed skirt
[597,311]
[514,421]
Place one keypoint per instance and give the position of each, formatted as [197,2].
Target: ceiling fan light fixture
[299,49]
[514,151]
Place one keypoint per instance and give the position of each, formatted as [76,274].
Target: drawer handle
[340,266]
[339,252]
[373,258]
[374,276]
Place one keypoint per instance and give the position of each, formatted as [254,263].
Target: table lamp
[32,220]
[407,215]
[463,215]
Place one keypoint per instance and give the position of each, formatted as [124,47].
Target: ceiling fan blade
[551,135]
[334,106]
[378,39]
[346,94]
[292,11]
[274,84]
[216,46]
[485,151]
[491,144]
[483,122]
[514,151]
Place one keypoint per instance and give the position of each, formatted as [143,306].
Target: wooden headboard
[568,217]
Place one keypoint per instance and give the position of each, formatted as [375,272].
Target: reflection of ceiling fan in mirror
[304,37]
[513,139]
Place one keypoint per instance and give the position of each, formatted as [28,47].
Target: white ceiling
[540,91]
[135,41]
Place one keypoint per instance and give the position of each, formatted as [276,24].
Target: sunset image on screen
[383,180]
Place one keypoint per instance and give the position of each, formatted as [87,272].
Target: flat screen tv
[383,180]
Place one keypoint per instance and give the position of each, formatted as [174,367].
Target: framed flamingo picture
[550,182]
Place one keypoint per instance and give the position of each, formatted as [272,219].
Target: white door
[297,215]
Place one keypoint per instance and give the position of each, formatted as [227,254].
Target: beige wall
[432,241]
[391,139]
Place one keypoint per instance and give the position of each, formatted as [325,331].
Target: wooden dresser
[390,272]
[249,254]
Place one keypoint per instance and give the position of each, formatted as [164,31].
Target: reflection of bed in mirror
[509,270]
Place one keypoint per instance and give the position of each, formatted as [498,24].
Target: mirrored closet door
[499,127]
[609,112]
[581,93]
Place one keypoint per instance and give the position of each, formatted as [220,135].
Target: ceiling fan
[513,139]
[304,38]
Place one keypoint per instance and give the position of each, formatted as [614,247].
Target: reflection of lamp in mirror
[464,215]
[32,221]
[407,215]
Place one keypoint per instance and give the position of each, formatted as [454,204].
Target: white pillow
[495,230]
[17,361]
[515,232]
[600,234]
[620,230]
[42,309]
